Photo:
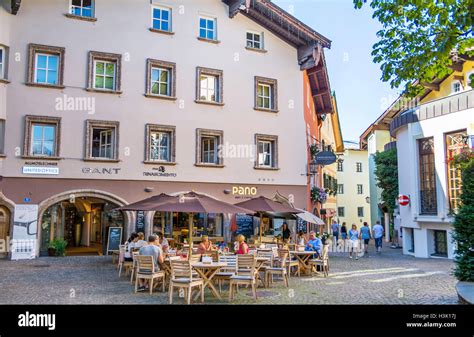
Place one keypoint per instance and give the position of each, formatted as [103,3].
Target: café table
[303,258]
[207,271]
[260,263]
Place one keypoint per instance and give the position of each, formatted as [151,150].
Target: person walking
[344,231]
[378,233]
[335,232]
[365,235]
[354,242]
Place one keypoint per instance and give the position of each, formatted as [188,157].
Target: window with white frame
[160,81]
[3,58]
[208,88]
[160,146]
[265,94]
[84,8]
[360,189]
[340,189]
[43,140]
[207,28]
[161,18]
[104,75]
[358,167]
[47,69]
[340,166]
[267,151]
[254,40]
[102,140]
[2,136]
[456,86]
[207,150]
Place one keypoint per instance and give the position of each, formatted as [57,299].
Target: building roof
[336,125]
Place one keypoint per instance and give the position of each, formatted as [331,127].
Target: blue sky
[361,95]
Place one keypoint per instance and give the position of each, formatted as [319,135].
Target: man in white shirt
[377,233]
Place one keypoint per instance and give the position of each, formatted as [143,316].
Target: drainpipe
[387,226]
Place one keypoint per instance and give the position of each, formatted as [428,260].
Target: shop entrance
[83,222]
[4,226]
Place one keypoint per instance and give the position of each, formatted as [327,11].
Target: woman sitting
[242,247]
[205,246]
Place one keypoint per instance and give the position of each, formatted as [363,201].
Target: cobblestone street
[390,278]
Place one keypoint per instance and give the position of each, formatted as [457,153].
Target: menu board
[245,225]
[140,223]
[114,240]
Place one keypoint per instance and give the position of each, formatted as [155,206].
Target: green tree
[386,173]
[420,39]
[464,226]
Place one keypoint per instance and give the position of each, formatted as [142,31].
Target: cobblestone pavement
[389,278]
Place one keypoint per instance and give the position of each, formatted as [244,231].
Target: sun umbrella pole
[191,228]
[261,226]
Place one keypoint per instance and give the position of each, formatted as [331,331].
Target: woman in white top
[163,242]
[141,241]
[131,243]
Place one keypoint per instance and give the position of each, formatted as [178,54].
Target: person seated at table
[242,247]
[163,242]
[141,240]
[130,245]
[301,241]
[151,249]
[314,244]
[205,246]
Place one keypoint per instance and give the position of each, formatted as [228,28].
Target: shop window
[266,90]
[42,136]
[46,66]
[267,151]
[207,149]
[104,72]
[161,79]
[160,144]
[209,86]
[101,140]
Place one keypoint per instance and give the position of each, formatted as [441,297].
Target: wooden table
[207,271]
[303,258]
[260,261]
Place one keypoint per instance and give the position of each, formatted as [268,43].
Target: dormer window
[456,87]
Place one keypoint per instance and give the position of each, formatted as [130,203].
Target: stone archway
[9,207]
[128,218]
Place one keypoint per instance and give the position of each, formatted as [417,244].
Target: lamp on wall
[367,200]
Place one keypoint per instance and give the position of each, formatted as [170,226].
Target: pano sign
[244,190]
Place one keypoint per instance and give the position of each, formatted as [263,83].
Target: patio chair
[225,273]
[133,270]
[122,264]
[290,263]
[245,275]
[323,261]
[195,258]
[146,270]
[280,270]
[182,278]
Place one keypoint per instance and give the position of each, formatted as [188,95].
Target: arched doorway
[4,227]
[82,218]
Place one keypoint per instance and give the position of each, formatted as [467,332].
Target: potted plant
[57,247]
[318,195]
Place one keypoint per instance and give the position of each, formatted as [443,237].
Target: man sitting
[314,244]
[151,249]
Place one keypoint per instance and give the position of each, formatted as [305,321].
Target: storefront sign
[140,222]
[25,226]
[40,170]
[103,170]
[159,172]
[325,158]
[241,190]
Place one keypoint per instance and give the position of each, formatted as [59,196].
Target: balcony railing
[428,204]
[436,108]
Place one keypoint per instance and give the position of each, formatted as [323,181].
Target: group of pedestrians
[355,237]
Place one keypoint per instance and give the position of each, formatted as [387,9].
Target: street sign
[325,158]
[403,200]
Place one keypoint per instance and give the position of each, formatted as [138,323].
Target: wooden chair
[245,275]
[195,258]
[225,273]
[280,270]
[290,263]
[146,271]
[182,278]
[122,263]
[133,270]
[323,261]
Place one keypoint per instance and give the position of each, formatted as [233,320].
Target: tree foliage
[464,226]
[386,173]
[420,39]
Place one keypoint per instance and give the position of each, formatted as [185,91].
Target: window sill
[159,163]
[112,92]
[198,101]
[78,17]
[208,40]
[101,160]
[209,165]
[168,98]
[265,110]
[41,85]
[29,157]
[266,168]
[159,31]
[258,50]
[4,81]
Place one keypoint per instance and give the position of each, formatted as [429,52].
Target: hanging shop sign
[159,172]
[325,158]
